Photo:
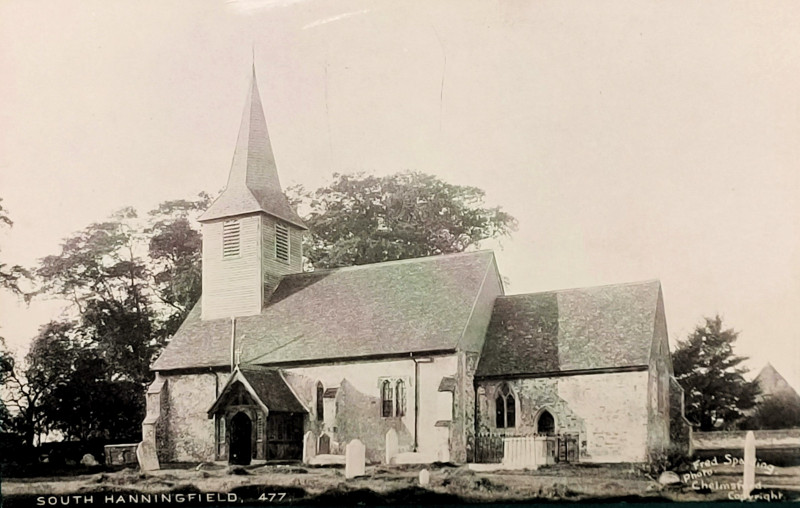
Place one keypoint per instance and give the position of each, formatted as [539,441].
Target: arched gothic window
[400,392]
[546,424]
[320,402]
[505,408]
[387,399]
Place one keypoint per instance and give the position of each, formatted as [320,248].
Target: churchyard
[218,484]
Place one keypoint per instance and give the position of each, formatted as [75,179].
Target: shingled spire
[251,236]
[253,184]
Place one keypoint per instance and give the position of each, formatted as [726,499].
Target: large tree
[131,282]
[101,272]
[28,383]
[361,219]
[716,392]
[104,353]
[175,252]
[10,278]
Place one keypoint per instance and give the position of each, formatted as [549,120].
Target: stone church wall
[357,403]
[189,431]
[609,412]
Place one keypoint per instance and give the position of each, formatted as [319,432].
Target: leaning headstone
[392,446]
[355,455]
[424,477]
[669,478]
[146,456]
[749,464]
[89,460]
[309,447]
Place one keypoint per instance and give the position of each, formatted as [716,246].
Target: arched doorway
[546,424]
[241,439]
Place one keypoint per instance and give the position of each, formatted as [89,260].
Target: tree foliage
[716,392]
[131,283]
[100,271]
[6,371]
[11,276]
[361,219]
[175,250]
[774,412]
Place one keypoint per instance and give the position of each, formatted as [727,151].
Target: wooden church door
[241,439]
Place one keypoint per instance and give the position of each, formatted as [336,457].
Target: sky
[632,140]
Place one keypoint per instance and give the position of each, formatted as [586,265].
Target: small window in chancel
[387,399]
[231,235]
[320,402]
[281,242]
[401,398]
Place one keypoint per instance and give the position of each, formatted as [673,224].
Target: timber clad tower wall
[251,236]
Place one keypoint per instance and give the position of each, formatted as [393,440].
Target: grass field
[212,484]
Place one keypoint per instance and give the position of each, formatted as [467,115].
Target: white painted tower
[251,236]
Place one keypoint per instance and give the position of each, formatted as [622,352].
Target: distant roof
[268,386]
[392,308]
[569,330]
[773,384]
[253,184]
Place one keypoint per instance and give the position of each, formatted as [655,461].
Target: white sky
[632,140]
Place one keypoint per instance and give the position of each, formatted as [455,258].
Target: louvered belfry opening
[281,242]
[231,238]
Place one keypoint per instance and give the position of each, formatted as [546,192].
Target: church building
[273,360]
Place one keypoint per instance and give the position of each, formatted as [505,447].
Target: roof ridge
[580,288]
[421,259]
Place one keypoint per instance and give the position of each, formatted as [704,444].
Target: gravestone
[309,447]
[146,455]
[392,446]
[324,445]
[669,478]
[89,460]
[354,456]
[749,463]
[424,477]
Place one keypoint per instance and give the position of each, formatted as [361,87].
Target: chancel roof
[603,327]
[253,184]
[393,308]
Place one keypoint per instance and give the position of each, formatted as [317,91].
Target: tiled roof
[272,389]
[268,385]
[391,308]
[253,184]
[570,330]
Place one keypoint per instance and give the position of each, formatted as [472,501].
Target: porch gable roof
[267,387]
